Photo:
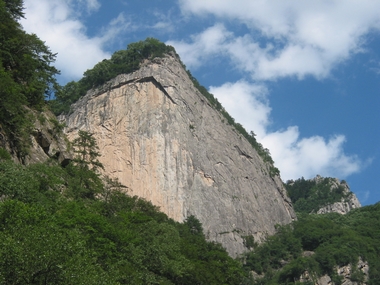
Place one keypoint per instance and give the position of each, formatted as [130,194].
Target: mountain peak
[167,143]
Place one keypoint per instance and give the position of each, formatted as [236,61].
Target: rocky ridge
[346,204]
[162,139]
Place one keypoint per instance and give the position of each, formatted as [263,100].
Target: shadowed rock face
[46,141]
[159,136]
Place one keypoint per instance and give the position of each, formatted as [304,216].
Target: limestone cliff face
[159,136]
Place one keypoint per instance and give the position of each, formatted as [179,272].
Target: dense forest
[330,239]
[319,244]
[71,225]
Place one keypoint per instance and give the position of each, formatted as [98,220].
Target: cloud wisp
[296,38]
[283,39]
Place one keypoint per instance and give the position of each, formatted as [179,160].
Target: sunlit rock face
[161,138]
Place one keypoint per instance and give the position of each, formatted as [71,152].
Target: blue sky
[303,75]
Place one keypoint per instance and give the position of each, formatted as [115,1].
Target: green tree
[85,167]
[26,75]
[87,151]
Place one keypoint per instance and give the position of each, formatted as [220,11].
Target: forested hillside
[316,245]
[71,225]
[331,240]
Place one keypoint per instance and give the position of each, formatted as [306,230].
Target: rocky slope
[46,140]
[348,202]
[159,136]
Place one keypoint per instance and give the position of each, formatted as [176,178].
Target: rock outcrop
[348,202]
[46,141]
[346,273]
[161,138]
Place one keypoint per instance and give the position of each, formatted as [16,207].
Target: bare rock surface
[345,272]
[161,138]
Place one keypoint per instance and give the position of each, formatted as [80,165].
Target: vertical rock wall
[160,137]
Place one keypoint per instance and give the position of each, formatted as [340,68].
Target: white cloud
[296,157]
[55,22]
[285,38]
[246,103]
[92,5]
[298,38]
[293,155]
[206,44]
[79,6]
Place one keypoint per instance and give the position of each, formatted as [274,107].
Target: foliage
[26,74]
[54,234]
[4,154]
[332,239]
[123,61]
[309,195]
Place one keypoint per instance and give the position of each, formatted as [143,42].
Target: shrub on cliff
[123,61]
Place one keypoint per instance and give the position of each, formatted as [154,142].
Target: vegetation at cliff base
[72,226]
[316,245]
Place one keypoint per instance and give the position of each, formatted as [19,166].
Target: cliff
[161,138]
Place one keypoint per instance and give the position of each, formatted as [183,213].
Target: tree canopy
[26,74]
[331,240]
[123,61]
